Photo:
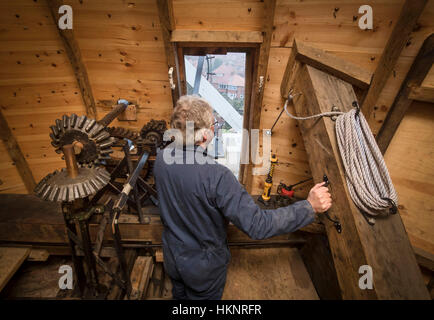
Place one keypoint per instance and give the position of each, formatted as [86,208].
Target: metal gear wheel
[153,131]
[59,186]
[121,133]
[92,137]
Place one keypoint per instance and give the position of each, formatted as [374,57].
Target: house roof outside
[226,74]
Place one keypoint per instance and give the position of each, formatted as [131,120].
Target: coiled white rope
[366,174]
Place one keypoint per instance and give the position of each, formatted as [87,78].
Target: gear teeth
[46,192]
[81,122]
[73,120]
[97,130]
[53,194]
[121,133]
[57,186]
[59,125]
[154,126]
[104,135]
[108,143]
[53,138]
[55,131]
[73,127]
[65,121]
[90,125]
[106,151]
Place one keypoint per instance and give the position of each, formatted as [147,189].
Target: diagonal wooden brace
[384,246]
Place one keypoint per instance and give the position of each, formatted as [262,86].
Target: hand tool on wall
[265,197]
[287,190]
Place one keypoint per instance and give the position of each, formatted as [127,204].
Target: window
[219,76]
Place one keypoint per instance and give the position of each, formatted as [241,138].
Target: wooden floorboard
[10,260]
[272,273]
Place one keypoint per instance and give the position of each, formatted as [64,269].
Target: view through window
[220,79]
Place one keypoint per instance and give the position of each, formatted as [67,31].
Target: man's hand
[320,198]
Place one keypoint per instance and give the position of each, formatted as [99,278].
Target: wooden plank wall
[123,51]
[414,177]
[37,85]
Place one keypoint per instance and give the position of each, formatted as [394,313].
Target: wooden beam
[167,25]
[140,275]
[405,24]
[16,154]
[216,36]
[260,78]
[318,260]
[26,219]
[74,54]
[424,94]
[10,260]
[425,259]
[326,62]
[385,247]
[418,71]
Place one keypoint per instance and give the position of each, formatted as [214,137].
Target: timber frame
[407,20]
[410,90]
[74,54]
[258,88]
[395,269]
[16,154]
[165,12]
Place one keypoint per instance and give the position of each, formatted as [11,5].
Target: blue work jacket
[196,201]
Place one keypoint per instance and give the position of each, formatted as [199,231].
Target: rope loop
[366,174]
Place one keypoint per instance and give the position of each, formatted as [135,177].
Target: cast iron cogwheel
[59,186]
[94,137]
[121,133]
[153,131]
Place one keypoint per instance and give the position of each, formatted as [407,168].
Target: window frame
[252,56]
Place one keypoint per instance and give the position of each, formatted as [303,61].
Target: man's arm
[239,208]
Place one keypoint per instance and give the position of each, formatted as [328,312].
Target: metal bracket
[335,109]
[172,84]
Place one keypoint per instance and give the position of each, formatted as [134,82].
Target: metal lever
[335,221]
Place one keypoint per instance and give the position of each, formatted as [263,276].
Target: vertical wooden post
[385,246]
[167,24]
[260,78]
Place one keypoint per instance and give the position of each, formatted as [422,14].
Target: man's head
[197,110]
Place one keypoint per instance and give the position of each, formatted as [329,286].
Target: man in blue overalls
[199,196]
